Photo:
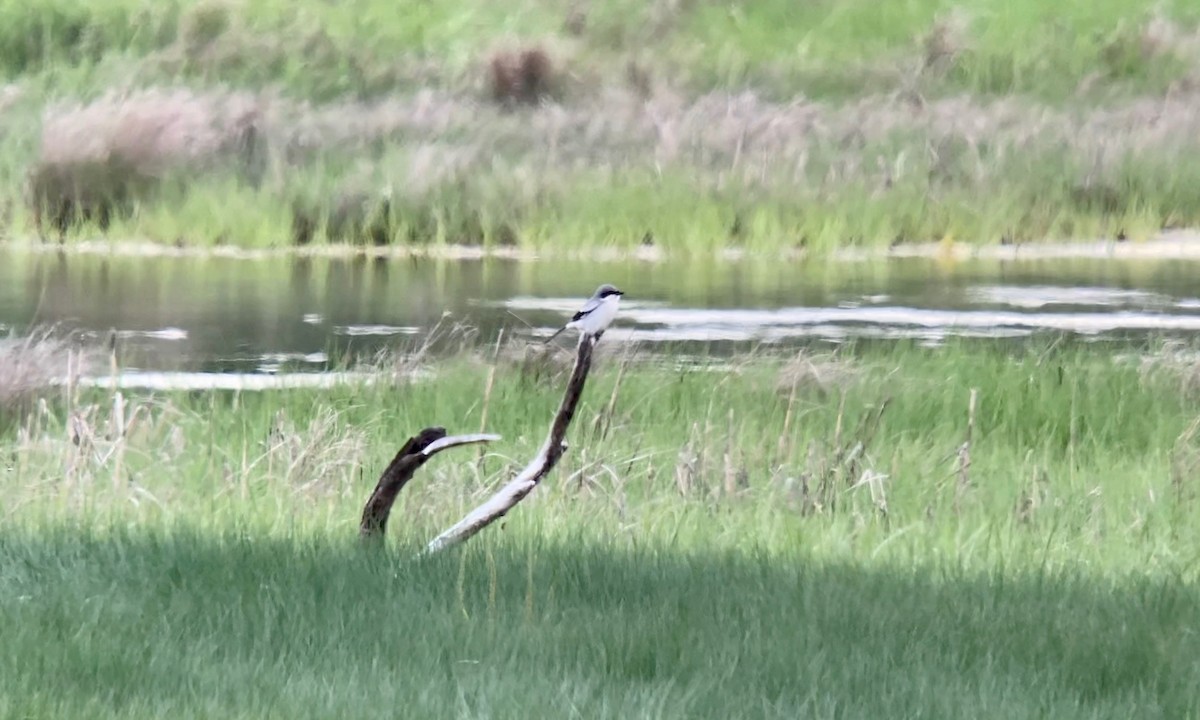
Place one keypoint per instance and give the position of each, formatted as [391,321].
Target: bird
[596,314]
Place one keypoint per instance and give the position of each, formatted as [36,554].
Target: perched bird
[596,314]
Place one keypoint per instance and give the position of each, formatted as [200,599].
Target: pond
[261,316]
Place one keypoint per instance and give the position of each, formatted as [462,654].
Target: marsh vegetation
[955,529]
[794,486]
[559,125]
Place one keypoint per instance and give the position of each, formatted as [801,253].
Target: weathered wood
[412,455]
[524,483]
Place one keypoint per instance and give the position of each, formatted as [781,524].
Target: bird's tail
[556,334]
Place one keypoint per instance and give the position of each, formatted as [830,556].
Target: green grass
[694,560]
[838,47]
[145,624]
[1049,420]
[585,210]
[884,175]
[831,47]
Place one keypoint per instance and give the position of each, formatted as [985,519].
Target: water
[261,316]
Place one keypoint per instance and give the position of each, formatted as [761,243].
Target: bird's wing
[587,308]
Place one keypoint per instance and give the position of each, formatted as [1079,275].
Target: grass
[757,541]
[1083,422]
[32,364]
[834,47]
[977,46]
[146,624]
[762,126]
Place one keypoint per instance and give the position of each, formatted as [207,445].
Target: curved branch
[412,455]
[524,483]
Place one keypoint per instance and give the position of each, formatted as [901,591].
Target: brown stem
[412,455]
[516,490]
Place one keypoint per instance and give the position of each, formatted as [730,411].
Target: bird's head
[607,290]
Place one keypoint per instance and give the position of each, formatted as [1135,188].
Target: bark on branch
[432,440]
[524,483]
[412,455]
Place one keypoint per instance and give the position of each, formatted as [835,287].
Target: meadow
[567,126]
[980,530]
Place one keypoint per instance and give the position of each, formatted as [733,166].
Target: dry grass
[1132,46]
[33,365]
[946,41]
[432,148]
[536,362]
[99,159]
[820,373]
[153,130]
[520,130]
[412,358]
[741,133]
[1175,361]
[613,126]
[322,457]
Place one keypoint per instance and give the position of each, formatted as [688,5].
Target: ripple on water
[381,330]
[297,315]
[174,381]
[1040,296]
[1122,310]
[167,333]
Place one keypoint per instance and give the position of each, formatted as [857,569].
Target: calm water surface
[261,316]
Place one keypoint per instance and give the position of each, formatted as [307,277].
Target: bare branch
[412,455]
[524,483]
[456,440]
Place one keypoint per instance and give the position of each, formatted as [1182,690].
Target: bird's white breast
[600,318]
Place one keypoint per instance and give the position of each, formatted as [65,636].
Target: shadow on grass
[186,624]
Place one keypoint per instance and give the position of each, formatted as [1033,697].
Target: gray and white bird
[596,314]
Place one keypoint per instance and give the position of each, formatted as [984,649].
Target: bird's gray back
[590,305]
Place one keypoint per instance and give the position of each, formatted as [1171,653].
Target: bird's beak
[620,292]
